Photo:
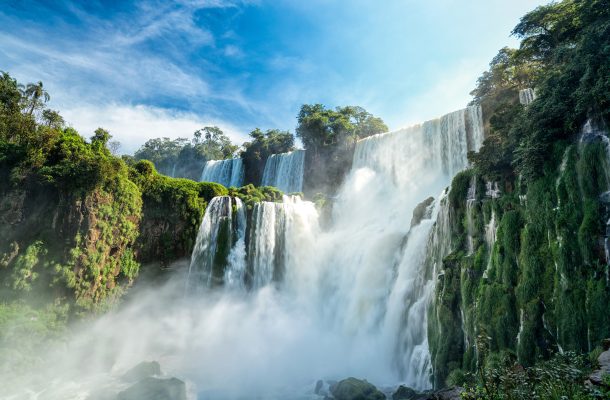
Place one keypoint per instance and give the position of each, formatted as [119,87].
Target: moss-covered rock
[355,389]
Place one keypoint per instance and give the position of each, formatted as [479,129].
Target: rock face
[355,389]
[448,394]
[404,393]
[422,211]
[155,389]
[597,376]
[141,371]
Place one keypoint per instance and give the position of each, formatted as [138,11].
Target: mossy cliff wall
[85,247]
[527,274]
[57,245]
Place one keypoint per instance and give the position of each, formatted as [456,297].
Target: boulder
[155,389]
[597,376]
[404,393]
[143,370]
[355,389]
[319,387]
[454,393]
[422,211]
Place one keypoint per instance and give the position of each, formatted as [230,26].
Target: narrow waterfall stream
[285,171]
[229,172]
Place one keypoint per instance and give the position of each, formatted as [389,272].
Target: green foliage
[563,54]
[74,213]
[186,158]
[24,273]
[561,377]
[171,214]
[250,195]
[329,136]
[262,145]
[26,333]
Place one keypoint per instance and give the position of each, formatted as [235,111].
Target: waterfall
[470,203]
[591,132]
[285,171]
[492,190]
[229,172]
[351,299]
[216,256]
[526,96]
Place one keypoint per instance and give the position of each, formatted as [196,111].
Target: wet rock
[605,197]
[422,211]
[143,370]
[597,376]
[404,393]
[319,386]
[155,389]
[454,393]
[356,389]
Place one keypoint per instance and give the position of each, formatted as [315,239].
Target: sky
[150,69]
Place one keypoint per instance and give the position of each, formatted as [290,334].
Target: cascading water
[274,303]
[362,286]
[229,172]
[526,96]
[470,202]
[218,253]
[592,132]
[285,171]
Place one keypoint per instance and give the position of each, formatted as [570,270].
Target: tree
[114,146]
[100,137]
[52,119]
[35,96]
[264,144]
[330,136]
[213,144]
[548,27]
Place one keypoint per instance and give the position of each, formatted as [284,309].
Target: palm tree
[36,95]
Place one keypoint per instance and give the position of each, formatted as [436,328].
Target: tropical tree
[52,119]
[329,136]
[212,143]
[262,145]
[35,96]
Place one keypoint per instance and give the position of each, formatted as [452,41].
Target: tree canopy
[329,136]
[185,158]
[262,145]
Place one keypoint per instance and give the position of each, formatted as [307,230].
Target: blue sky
[165,68]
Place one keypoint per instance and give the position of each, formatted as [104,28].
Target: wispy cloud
[133,125]
[119,71]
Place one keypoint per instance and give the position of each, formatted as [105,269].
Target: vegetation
[541,286]
[257,151]
[329,136]
[172,212]
[186,158]
[501,378]
[77,220]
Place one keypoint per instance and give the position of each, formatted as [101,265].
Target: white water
[229,172]
[219,214]
[305,303]
[364,281]
[285,171]
[470,203]
[526,96]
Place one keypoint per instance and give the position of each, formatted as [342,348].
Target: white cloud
[132,125]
